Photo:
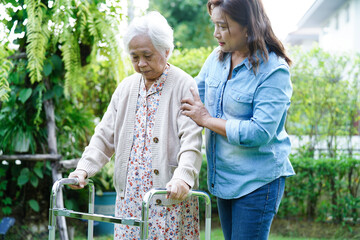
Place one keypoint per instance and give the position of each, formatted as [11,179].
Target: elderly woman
[154,144]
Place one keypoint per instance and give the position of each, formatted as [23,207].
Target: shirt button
[212,185]
[156,172]
[218,116]
[158,201]
[156,140]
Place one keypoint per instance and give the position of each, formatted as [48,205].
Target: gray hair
[156,27]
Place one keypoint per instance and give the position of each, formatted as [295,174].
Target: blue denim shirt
[256,149]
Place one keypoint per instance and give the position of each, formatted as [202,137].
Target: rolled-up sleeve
[270,105]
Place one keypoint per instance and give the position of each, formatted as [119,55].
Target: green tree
[325,102]
[63,40]
[49,86]
[190,20]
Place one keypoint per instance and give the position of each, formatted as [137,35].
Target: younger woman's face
[230,35]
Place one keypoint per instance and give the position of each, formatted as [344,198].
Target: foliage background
[325,108]
[325,102]
[190,20]
[68,57]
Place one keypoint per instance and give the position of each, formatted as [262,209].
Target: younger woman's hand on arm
[81,175]
[196,110]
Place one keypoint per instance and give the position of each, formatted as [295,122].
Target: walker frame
[91,216]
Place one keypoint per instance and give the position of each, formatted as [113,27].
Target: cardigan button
[156,172]
[158,201]
[156,140]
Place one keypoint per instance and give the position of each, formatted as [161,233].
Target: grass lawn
[282,229]
[216,234]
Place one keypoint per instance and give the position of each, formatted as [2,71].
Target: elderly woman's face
[145,58]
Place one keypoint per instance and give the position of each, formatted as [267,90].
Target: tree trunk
[52,145]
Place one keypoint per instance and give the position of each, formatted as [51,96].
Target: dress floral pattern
[180,221]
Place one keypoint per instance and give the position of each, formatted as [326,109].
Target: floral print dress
[180,221]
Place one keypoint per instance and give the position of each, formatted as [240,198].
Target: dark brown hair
[251,14]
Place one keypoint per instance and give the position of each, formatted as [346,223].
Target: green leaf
[39,172]
[3,184]
[56,61]
[24,177]
[25,171]
[6,210]
[34,205]
[58,90]
[14,78]
[47,69]
[22,180]
[25,94]
[2,172]
[6,201]
[69,203]
[48,165]
[34,180]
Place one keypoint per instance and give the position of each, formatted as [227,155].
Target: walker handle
[54,192]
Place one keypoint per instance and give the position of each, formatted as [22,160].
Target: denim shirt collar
[246,61]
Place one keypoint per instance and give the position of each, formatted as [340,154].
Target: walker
[91,217]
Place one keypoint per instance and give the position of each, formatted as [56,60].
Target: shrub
[190,60]
[323,189]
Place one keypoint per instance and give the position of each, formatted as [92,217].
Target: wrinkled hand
[177,189]
[195,109]
[81,175]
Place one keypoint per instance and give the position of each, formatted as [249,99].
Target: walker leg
[54,192]
[91,210]
[144,226]
[52,218]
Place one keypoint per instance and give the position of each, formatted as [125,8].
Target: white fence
[342,145]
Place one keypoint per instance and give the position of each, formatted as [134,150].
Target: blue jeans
[250,217]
